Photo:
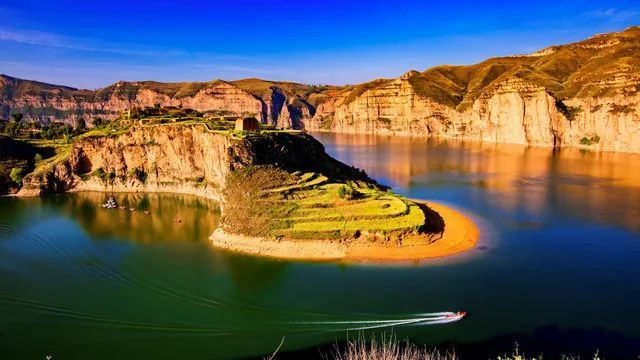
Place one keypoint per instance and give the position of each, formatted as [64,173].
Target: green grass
[62,153]
[309,206]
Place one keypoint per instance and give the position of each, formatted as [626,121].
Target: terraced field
[308,206]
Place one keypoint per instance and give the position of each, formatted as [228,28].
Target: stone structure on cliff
[247,124]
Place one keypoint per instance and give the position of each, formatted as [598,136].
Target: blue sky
[91,44]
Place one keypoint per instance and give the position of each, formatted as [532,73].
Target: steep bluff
[582,94]
[276,103]
[181,159]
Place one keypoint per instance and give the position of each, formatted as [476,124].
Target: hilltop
[282,104]
[580,94]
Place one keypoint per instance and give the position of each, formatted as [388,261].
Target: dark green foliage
[53,130]
[569,112]
[81,125]
[342,191]
[385,121]
[17,117]
[140,174]
[348,192]
[98,122]
[590,140]
[621,109]
[100,173]
[16,175]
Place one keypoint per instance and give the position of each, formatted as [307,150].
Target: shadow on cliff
[299,152]
[434,224]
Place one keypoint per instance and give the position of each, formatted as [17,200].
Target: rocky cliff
[282,104]
[582,94]
[177,158]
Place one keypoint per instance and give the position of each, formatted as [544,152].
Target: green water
[556,268]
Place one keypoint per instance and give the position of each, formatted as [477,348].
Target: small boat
[111,203]
[456,316]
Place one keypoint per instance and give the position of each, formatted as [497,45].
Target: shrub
[140,174]
[620,109]
[385,121]
[100,173]
[569,112]
[342,191]
[348,192]
[590,140]
[17,117]
[97,122]
[16,175]
[81,125]
[37,158]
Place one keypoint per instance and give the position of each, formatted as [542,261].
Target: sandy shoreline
[460,234]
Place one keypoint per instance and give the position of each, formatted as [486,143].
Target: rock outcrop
[583,94]
[275,103]
[179,159]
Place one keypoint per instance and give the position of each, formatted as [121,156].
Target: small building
[247,124]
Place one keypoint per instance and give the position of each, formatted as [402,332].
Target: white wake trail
[419,321]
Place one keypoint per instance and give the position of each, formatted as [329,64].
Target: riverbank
[458,235]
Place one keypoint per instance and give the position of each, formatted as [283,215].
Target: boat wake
[422,319]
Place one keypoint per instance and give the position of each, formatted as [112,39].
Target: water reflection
[602,187]
[176,217]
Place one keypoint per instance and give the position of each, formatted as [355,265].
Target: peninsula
[280,194]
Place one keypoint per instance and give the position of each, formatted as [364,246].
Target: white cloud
[614,14]
[48,39]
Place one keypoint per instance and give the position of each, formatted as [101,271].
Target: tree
[97,122]
[17,117]
[16,175]
[37,158]
[81,125]
[342,191]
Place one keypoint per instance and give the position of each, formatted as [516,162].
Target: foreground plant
[388,348]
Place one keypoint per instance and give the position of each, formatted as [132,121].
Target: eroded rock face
[583,94]
[45,103]
[179,159]
[514,111]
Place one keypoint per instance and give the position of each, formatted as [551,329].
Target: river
[556,268]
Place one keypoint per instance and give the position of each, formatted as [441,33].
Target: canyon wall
[274,103]
[178,159]
[585,94]
[515,111]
